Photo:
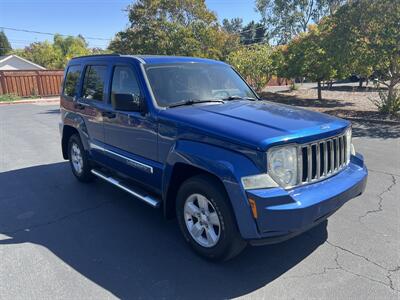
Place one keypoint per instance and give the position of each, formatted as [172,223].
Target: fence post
[39,83]
[3,83]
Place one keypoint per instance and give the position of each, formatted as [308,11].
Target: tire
[220,239]
[78,159]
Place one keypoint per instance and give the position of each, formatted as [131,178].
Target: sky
[92,18]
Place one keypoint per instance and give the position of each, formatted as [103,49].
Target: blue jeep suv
[190,136]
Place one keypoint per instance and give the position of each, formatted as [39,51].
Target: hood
[259,124]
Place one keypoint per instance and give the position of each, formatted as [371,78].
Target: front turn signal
[253,208]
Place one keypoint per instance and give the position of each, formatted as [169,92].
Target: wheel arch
[68,131]
[73,124]
[190,158]
[180,173]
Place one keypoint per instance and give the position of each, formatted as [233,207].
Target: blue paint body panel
[228,140]
[284,212]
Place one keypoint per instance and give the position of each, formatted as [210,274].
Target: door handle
[79,106]
[108,114]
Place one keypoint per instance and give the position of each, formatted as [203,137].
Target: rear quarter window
[72,81]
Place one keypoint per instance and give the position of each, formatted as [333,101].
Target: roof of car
[161,59]
[156,59]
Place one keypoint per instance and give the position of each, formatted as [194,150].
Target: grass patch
[14,97]
[9,97]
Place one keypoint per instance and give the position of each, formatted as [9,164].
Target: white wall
[14,63]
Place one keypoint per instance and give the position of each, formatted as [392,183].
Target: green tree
[254,63]
[254,33]
[234,26]
[307,56]
[288,18]
[70,47]
[56,55]
[365,38]
[173,27]
[5,46]
[42,53]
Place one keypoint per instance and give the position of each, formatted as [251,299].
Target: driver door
[130,136]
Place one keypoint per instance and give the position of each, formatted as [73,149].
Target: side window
[125,82]
[94,82]
[72,81]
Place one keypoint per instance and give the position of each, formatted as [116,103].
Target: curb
[390,122]
[31,101]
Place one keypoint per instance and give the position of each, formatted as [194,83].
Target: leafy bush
[388,102]
[294,86]
[254,63]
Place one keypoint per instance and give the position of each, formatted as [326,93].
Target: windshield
[174,83]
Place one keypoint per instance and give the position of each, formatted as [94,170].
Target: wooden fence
[48,82]
[31,83]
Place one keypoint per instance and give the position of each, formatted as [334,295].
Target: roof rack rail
[97,55]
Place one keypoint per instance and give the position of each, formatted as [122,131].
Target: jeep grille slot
[322,159]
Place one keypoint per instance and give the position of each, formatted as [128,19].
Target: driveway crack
[388,271]
[380,196]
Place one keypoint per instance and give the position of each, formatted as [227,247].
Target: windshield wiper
[191,102]
[234,97]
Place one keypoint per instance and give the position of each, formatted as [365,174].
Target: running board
[146,198]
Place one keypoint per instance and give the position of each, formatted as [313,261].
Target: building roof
[4,58]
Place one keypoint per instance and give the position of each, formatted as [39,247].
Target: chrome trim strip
[131,162]
[318,168]
[139,59]
[342,138]
[300,164]
[337,153]
[149,200]
[332,153]
[309,166]
[325,158]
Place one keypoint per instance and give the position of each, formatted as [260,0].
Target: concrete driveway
[60,239]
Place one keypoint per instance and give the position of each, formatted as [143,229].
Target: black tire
[230,242]
[84,175]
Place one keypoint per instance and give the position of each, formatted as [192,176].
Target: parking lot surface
[61,239]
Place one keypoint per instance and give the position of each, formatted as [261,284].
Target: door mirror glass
[126,102]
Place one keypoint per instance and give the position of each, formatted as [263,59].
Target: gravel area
[342,100]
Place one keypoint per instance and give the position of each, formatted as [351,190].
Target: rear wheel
[206,219]
[78,159]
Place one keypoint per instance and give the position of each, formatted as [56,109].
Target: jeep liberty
[191,137]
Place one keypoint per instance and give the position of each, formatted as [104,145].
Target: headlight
[282,165]
[349,145]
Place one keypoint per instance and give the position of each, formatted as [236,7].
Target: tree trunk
[319,90]
[390,96]
[360,83]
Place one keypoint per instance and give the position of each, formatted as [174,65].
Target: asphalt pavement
[61,239]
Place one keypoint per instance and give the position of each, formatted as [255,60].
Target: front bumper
[283,214]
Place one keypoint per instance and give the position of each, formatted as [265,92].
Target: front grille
[322,159]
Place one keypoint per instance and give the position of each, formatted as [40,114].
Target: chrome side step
[146,198]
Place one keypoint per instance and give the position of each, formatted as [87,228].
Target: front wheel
[79,160]
[206,219]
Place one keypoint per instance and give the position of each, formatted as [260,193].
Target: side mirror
[126,102]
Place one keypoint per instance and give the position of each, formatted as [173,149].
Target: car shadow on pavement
[376,130]
[125,246]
